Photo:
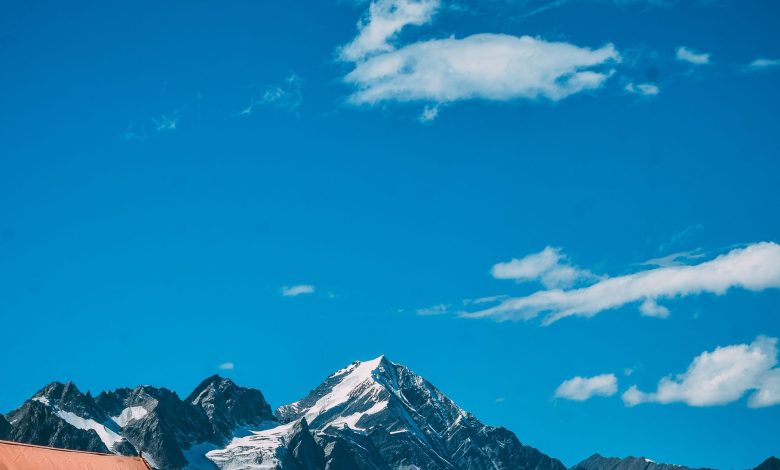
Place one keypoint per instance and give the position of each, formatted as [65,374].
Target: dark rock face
[5,428]
[302,450]
[349,449]
[343,454]
[772,463]
[229,406]
[168,426]
[597,462]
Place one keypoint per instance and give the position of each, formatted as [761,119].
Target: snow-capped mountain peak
[360,388]
[384,412]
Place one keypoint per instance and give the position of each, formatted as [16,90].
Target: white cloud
[691,56]
[439,309]
[548,266]
[583,388]
[721,376]
[227,366]
[650,308]
[300,289]
[646,89]
[755,267]
[762,64]
[768,393]
[384,20]
[495,67]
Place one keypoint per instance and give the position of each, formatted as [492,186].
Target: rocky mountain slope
[374,415]
[772,463]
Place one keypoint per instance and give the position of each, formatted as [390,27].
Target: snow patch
[43,400]
[106,435]
[129,414]
[352,420]
[257,451]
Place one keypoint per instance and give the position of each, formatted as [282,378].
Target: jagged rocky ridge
[169,432]
[369,415]
[597,462]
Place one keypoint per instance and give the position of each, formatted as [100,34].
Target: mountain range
[375,415]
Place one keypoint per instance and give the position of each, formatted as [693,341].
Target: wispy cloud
[680,237]
[721,376]
[166,123]
[148,128]
[439,309]
[288,96]
[132,133]
[484,300]
[675,259]
[583,388]
[300,289]
[549,5]
[755,267]
[518,10]
[550,266]
[383,21]
[761,64]
[686,54]
[227,366]
[428,114]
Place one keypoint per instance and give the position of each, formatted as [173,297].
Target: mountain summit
[229,406]
[378,414]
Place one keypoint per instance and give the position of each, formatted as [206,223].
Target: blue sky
[168,171]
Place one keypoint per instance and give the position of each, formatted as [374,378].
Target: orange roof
[17,456]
